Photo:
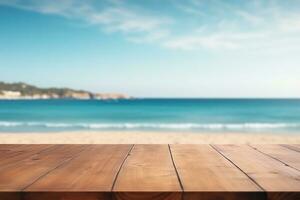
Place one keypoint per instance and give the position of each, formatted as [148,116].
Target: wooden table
[96,172]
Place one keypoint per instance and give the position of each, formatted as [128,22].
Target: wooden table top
[96,172]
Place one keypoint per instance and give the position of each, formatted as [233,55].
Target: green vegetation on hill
[26,91]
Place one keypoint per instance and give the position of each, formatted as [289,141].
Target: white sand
[134,137]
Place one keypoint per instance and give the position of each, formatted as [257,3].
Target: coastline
[145,137]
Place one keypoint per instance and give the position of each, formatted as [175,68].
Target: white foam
[8,124]
[181,126]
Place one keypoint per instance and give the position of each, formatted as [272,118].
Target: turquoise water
[217,115]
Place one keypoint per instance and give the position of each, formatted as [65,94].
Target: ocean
[199,115]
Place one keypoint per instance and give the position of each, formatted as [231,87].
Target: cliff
[26,91]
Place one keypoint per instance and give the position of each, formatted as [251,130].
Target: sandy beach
[138,137]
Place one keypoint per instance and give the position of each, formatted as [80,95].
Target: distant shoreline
[66,99]
[24,91]
[164,98]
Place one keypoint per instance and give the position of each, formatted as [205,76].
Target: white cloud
[290,24]
[195,42]
[249,17]
[124,20]
[42,6]
[190,7]
[269,30]
[213,25]
[264,42]
[218,40]
[113,16]
[151,37]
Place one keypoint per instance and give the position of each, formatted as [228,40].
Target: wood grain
[147,195]
[16,153]
[272,175]
[287,156]
[17,176]
[238,195]
[148,168]
[93,170]
[202,168]
[10,196]
[292,147]
[11,146]
[103,172]
[66,196]
[284,195]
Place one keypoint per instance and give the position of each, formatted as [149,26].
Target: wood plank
[292,147]
[279,180]
[206,174]
[16,153]
[11,146]
[240,195]
[78,195]
[10,196]
[93,170]
[17,176]
[285,155]
[148,173]
[10,150]
[163,195]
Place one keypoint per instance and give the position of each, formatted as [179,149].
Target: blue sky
[154,48]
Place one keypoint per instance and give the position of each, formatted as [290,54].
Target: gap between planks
[171,155]
[291,147]
[271,174]
[124,160]
[284,163]
[177,174]
[238,167]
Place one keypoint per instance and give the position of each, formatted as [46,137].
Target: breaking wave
[165,126]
